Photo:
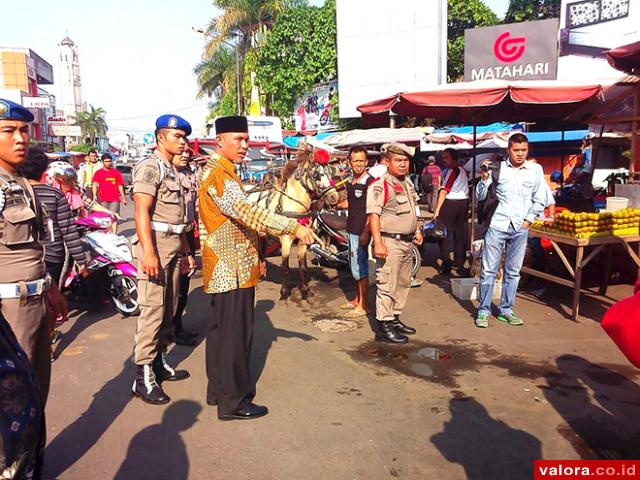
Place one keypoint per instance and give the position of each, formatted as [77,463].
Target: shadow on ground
[601,408]
[483,446]
[158,451]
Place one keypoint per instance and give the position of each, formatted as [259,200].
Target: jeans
[495,243]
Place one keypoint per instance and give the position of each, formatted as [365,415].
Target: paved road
[457,402]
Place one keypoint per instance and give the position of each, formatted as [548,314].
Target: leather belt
[399,236]
[163,227]
[34,288]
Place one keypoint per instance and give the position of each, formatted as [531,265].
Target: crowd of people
[41,199]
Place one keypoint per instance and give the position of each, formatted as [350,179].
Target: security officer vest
[21,228]
[399,214]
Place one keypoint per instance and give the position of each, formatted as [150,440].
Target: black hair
[106,156]
[93,150]
[452,152]
[34,165]
[357,149]
[518,138]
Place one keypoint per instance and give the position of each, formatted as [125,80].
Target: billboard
[313,109]
[36,102]
[261,129]
[517,51]
[591,27]
[65,130]
[388,47]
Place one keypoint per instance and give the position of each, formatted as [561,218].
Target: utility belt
[25,289]
[409,237]
[169,228]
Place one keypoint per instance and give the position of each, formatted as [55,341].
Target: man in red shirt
[108,187]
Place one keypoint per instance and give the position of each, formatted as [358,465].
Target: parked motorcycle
[334,250]
[110,271]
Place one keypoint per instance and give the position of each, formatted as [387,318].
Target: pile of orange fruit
[587,225]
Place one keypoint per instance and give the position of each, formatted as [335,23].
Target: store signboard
[36,102]
[517,51]
[65,130]
[57,120]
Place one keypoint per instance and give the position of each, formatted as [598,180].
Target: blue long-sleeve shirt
[521,195]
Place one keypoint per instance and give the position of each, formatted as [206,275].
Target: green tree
[464,14]
[300,51]
[240,17]
[526,10]
[216,74]
[92,123]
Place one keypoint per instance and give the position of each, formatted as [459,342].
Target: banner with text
[517,51]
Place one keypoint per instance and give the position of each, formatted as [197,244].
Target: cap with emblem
[400,149]
[12,111]
[235,124]
[431,159]
[173,121]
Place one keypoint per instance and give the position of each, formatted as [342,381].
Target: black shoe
[164,372]
[402,328]
[146,387]
[185,340]
[463,272]
[388,333]
[445,268]
[246,413]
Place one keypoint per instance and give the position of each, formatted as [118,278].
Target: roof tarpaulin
[625,58]
[483,102]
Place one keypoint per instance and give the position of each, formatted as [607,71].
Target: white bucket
[616,203]
[467,288]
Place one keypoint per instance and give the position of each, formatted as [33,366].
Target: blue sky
[136,56]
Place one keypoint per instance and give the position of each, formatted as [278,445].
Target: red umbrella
[485,102]
[626,58]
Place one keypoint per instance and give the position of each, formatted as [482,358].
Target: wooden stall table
[600,244]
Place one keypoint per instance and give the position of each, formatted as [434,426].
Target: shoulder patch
[149,174]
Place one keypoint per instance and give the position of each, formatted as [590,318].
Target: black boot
[146,387]
[164,372]
[388,333]
[402,328]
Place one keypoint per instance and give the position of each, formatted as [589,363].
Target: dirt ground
[456,402]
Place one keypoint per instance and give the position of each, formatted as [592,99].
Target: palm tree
[216,74]
[240,17]
[92,123]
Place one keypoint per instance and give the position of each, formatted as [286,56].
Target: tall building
[69,77]
[21,72]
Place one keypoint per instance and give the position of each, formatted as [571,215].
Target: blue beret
[12,111]
[175,122]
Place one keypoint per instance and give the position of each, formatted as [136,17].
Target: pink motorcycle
[110,272]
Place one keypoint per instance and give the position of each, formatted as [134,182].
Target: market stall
[580,231]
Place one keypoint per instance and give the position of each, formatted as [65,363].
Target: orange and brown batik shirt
[230,252]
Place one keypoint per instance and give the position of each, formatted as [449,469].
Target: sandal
[347,306]
[355,313]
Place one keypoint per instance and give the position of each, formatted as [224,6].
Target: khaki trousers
[393,279]
[158,301]
[31,327]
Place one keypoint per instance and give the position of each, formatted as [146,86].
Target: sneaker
[510,318]
[482,320]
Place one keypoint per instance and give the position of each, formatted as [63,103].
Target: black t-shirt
[357,198]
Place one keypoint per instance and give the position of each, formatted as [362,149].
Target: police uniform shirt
[395,201]
[162,183]
[21,253]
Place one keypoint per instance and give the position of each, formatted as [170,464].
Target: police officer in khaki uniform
[159,245]
[25,289]
[392,206]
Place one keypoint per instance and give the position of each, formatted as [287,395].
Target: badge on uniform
[358,193]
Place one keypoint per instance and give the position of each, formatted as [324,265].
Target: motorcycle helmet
[556,176]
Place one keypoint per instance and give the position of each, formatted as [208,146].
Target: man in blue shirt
[521,198]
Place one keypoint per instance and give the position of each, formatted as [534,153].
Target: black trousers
[183,297]
[453,215]
[228,350]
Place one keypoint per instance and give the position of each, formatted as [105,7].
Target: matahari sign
[518,51]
